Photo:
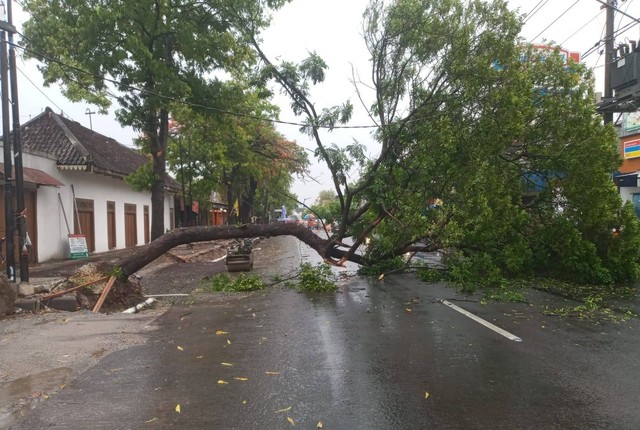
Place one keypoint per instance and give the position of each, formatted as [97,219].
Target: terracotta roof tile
[74,145]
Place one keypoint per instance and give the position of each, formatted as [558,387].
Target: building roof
[78,148]
[33,176]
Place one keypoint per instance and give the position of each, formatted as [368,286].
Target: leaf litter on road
[287,409]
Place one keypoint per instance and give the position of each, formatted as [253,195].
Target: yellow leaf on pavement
[272,373]
[200,356]
[221,382]
[178,408]
[238,378]
[408,309]
[151,420]
[319,426]
[227,364]
[180,348]
[293,423]
[228,341]
[426,395]
[380,278]
[283,410]
[220,332]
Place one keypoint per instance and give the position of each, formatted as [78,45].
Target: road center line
[485,323]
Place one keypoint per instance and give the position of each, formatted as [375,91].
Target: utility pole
[608,55]
[9,214]
[20,214]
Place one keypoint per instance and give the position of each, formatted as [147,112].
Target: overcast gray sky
[332,28]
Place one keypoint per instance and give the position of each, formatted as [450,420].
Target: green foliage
[431,275]
[141,179]
[168,49]
[240,283]
[599,302]
[379,267]
[318,278]
[476,271]
[505,294]
[116,272]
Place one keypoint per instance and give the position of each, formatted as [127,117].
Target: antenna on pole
[88,112]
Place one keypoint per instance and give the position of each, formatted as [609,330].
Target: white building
[74,183]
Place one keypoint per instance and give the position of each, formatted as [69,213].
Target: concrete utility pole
[608,55]
[20,214]
[9,215]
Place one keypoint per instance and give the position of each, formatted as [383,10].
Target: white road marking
[481,321]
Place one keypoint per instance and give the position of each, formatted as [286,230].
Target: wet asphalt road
[362,358]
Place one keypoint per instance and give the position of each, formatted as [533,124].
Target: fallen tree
[328,249]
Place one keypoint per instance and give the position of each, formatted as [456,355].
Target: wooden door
[130,225]
[145,210]
[84,222]
[111,224]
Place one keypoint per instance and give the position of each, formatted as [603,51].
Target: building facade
[74,184]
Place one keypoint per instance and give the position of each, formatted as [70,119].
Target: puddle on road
[33,385]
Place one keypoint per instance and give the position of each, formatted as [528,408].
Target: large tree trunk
[248,199]
[146,254]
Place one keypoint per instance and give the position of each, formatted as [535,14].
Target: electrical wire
[532,13]
[38,88]
[602,40]
[556,20]
[186,103]
[578,30]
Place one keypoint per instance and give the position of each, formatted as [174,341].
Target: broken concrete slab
[28,304]
[63,303]
[25,289]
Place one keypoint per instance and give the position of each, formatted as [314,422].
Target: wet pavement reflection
[374,355]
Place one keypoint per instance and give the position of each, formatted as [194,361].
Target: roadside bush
[224,282]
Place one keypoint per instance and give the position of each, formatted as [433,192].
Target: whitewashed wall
[52,229]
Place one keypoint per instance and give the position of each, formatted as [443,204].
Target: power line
[38,88]
[186,103]
[556,20]
[619,11]
[599,42]
[531,12]
[578,30]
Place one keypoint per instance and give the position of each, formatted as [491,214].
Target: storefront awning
[35,176]
[626,179]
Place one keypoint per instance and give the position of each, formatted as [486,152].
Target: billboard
[632,148]
[564,53]
[631,122]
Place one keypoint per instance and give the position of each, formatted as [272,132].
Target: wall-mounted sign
[632,148]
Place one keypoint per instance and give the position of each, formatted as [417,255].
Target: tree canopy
[488,148]
[153,52]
